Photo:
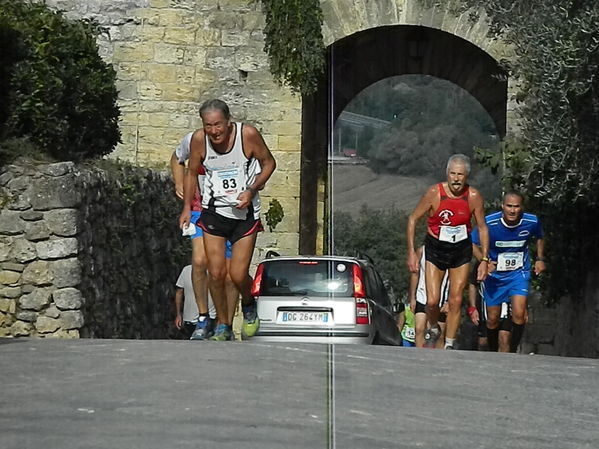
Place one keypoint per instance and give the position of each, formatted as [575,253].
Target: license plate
[304,318]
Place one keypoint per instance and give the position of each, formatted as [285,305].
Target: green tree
[555,160]
[60,94]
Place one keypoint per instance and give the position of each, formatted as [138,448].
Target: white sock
[449,342]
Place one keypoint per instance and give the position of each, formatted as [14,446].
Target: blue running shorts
[500,290]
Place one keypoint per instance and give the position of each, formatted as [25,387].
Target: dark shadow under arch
[364,58]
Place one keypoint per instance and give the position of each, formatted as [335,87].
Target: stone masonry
[82,254]
[169,56]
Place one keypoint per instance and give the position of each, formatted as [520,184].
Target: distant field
[354,185]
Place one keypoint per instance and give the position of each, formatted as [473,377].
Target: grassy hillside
[355,185]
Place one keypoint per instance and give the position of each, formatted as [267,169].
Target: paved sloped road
[178,394]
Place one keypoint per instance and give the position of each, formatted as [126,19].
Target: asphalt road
[243,395]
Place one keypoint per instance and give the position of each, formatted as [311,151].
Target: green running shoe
[222,333]
[251,323]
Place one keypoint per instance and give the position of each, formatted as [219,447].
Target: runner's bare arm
[255,147]
[179,308]
[401,320]
[424,206]
[191,178]
[178,172]
[472,310]
[476,252]
[540,262]
[477,206]
[412,290]
[478,255]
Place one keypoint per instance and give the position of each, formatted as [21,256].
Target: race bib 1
[453,234]
[510,261]
[228,182]
[409,332]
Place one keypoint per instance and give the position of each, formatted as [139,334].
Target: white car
[322,299]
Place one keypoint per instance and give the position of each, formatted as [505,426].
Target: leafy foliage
[13,51]
[59,92]
[274,215]
[293,42]
[555,159]
[379,235]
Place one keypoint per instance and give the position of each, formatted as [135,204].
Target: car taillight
[362,311]
[257,285]
[362,316]
[358,282]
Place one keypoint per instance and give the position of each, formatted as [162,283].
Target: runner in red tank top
[450,207]
[451,212]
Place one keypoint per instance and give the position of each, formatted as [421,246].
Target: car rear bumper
[312,337]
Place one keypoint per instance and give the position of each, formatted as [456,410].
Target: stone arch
[370,42]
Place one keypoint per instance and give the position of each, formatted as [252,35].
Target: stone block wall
[87,251]
[570,328]
[171,55]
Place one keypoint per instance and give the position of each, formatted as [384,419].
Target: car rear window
[302,277]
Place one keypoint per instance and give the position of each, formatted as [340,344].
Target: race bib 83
[228,182]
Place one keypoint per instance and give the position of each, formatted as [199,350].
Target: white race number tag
[228,182]
[409,332]
[453,234]
[510,261]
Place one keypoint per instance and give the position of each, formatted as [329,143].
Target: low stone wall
[88,251]
[570,328]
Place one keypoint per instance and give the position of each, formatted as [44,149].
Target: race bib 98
[453,234]
[510,261]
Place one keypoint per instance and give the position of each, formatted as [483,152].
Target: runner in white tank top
[238,164]
[228,175]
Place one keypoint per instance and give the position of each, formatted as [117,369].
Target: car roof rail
[270,253]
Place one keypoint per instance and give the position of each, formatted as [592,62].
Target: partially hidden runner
[449,207]
[418,300]
[477,311]
[405,324]
[238,164]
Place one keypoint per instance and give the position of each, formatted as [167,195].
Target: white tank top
[227,175]
[421,288]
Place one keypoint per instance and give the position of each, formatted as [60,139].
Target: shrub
[59,92]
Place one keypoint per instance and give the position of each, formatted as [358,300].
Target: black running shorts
[229,228]
[445,255]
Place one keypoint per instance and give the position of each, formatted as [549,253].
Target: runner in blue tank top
[510,232]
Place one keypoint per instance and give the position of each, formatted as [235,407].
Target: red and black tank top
[451,212]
